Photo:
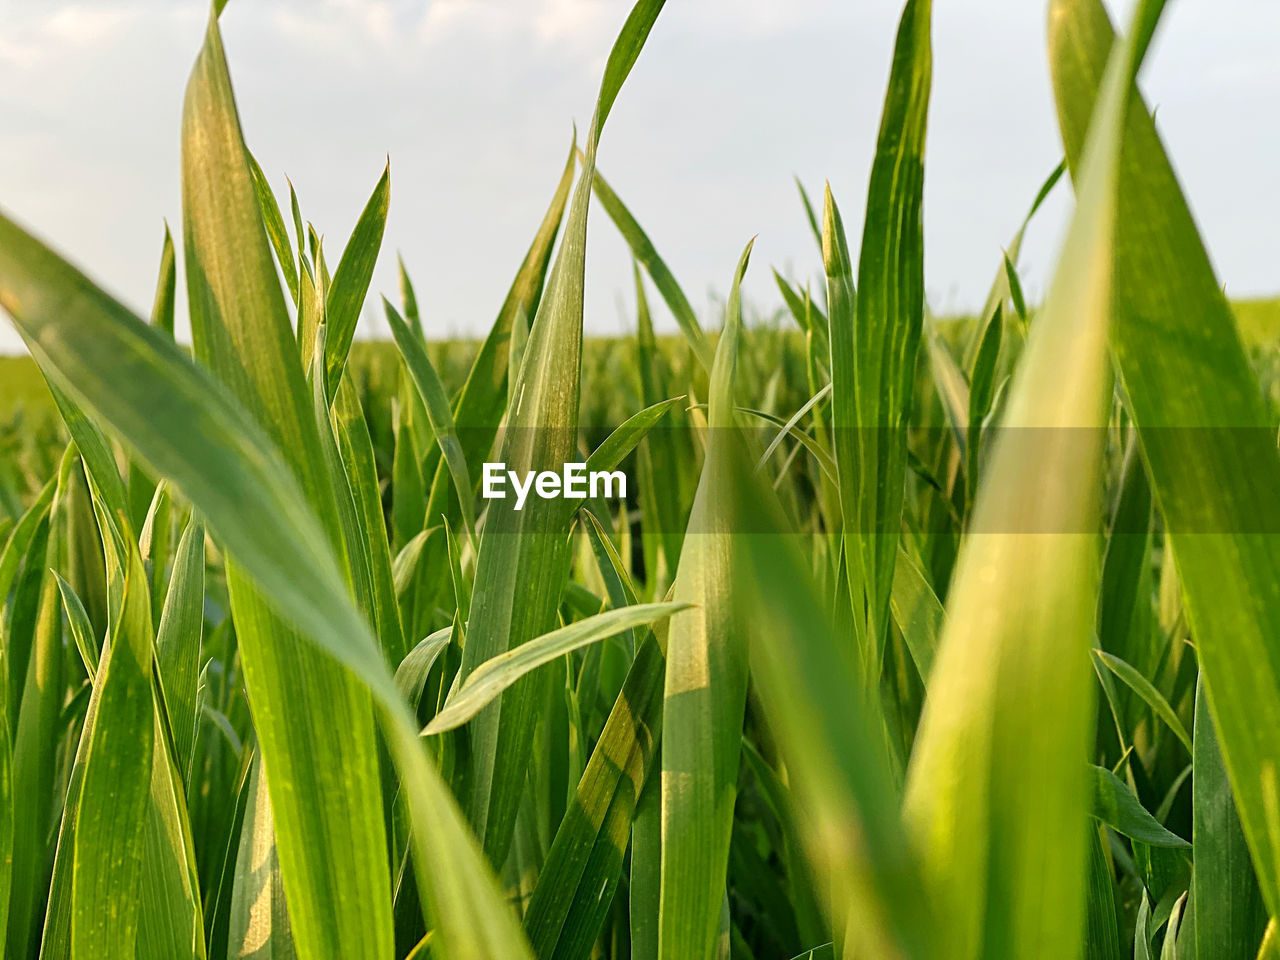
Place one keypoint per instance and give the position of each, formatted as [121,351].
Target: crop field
[909,639]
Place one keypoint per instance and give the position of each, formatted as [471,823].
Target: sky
[474,102]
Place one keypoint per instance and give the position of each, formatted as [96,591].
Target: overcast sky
[474,101]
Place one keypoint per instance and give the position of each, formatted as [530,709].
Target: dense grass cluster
[912,641]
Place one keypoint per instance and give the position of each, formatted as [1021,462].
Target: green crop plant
[911,639]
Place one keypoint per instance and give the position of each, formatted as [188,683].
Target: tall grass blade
[522,555]
[706,686]
[1205,433]
[997,794]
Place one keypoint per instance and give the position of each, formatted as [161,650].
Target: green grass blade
[185,427]
[1230,916]
[523,554]
[436,402]
[492,677]
[844,790]
[321,756]
[1206,435]
[917,612]
[109,836]
[585,860]
[178,641]
[998,794]
[1116,806]
[982,387]
[706,685]
[890,313]
[646,255]
[480,404]
[1144,688]
[273,222]
[166,286]
[259,925]
[356,448]
[80,627]
[34,700]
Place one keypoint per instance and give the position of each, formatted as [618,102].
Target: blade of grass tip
[351,281]
[706,686]
[522,560]
[997,794]
[185,426]
[461,586]
[889,318]
[412,673]
[810,215]
[982,385]
[408,298]
[81,629]
[162,308]
[646,254]
[1145,689]
[1230,916]
[483,399]
[853,836]
[1116,806]
[141,487]
[1000,288]
[273,223]
[436,402]
[489,679]
[792,423]
[1207,438]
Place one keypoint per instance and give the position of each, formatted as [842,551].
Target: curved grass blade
[489,679]
[1144,688]
[185,427]
[646,255]
[1116,806]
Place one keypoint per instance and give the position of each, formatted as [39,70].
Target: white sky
[474,100]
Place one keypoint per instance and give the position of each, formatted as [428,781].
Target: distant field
[22,389]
